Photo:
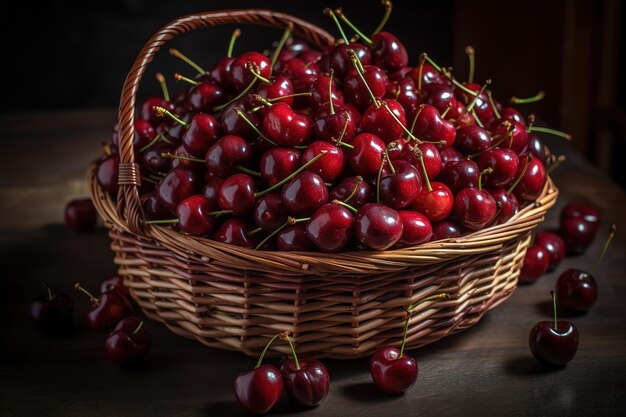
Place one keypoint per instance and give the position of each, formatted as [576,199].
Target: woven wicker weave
[341,305]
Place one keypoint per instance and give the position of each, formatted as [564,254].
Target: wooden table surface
[486,370]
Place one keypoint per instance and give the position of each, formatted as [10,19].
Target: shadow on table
[365,392]
[527,365]
[546,308]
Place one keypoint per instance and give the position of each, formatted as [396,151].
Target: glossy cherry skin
[366,156]
[330,227]
[107,174]
[378,120]
[357,93]
[513,115]
[321,90]
[278,163]
[115,283]
[378,226]
[519,137]
[81,215]
[584,211]
[219,73]
[439,95]
[302,74]
[555,347]
[405,92]
[509,204]
[259,390]
[233,124]
[307,386]
[227,152]
[178,184]
[504,163]
[392,373]
[125,345]
[416,227]
[152,207]
[460,175]
[388,52]
[204,96]
[294,238]
[305,193]
[449,155]
[108,311]
[240,76]
[329,127]
[330,166]
[430,126]
[340,61]
[235,232]
[430,156]
[400,189]
[577,234]
[53,315]
[532,182]
[554,246]
[361,196]
[536,262]
[153,160]
[143,134]
[193,215]
[284,126]
[538,149]
[237,194]
[436,204]
[429,75]
[474,208]
[279,86]
[270,212]
[576,290]
[147,111]
[447,229]
[472,139]
[203,131]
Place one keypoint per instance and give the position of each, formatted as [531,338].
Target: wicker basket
[342,305]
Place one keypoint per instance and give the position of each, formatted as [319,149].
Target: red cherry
[460,175]
[178,184]
[330,227]
[269,212]
[504,163]
[235,232]
[532,182]
[107,173]
[294,238]
[240,75]
[357,92]
[330,126]
[340,60]
[509,205]
[321,92]
[401,188]
[259,390]
[204,96]
[129,342]
[237,194]
[107,310]
[358,190]
[472,139]
[366,156]
[305,193]
[416,228]
[54,313]
[536,262]
[115,283]
[437,203]
[378,120]
[330,166]
[430,126]
[554,246]
[377,226]
[202,133]
[193,215]
[392,373]
[447,229]
[388,52]
[226,153]
[576,290]
[277,163]
[284,126]
[81,215]
[474,207]
[307,382]
[439,95]
[578,210]
[152,207]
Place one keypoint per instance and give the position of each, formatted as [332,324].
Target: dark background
[75,54]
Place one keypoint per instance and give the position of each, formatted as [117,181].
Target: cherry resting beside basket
[340,305]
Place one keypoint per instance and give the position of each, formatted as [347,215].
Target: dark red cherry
[388,52]
[107,173]
[430,155]
[554,246]
[259,390]
[378,226]
[576,290]
[538,149]
[237,194]
[321,90]
[294,238]
[366,156]
[219,73]
[513,115]
[536,262]
[416,228]
[279,86]
[577,234]
[240,75]
[504,163]
[115,283]
[305,193]
[472,139]
[147,111]
[378,120]
[340,60]
[358,191]
[429,75]
[514,134]
[129,342]
[277,163]
[330,126]
[447,229]
[226,153]
[430,126]
[180,183]
[439,95]
[81,215]
[436,204]
[235,232]
[154,161]
[532,182]
[204,96]
[474,208]
[285,127]
[193,215]
[460,175]
[152,208]
[306,381]
[579,210]
[233,124]
[404,92]
[401,188]
[202,133]
[329,166]
[450,155]
[107,310]
[509,205]
[270,212]
[144,133]
[357,93]
[54,313]
[392,373]
[330,227]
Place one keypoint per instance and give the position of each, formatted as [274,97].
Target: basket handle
[128,205]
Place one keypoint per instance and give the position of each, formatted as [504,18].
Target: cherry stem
[475,116]
[176,53]
[485,171]
[293,174]
[281,44]
[93,299]
[477,95]
[445,112]
[328,12]
[180,77]
[265,350]
[47,287]
[378,177]
[346,205]
[330,91]
[357,184]
[255,231]
[161,221]
[161,79]
[446,74]
[416,116]
[517,181]
[247,171]
[138,327]
[559,160]
[409,311]
[469,51]
[531,122]
[271,235]
[359,69]
[243,93]
[107,148]
[339,12]
[184,158]
[149,180]
[254,70]
[388,9]
[537,97]
[393,170]
[553,294]
[420,155]
[231,44]
[343,131]
[262,100]
[285,336]
[252,126]
[304,94]
[162,112]
[400,123]
[152,142]
[493,105]
[604,249]
[554,132]
[420,74]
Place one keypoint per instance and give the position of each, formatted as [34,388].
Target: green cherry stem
[484,172]
[93,299]
[445,112]
[243,93]
[357,184]
[553,294]
[162,112]
[472,103]
[475,116]
[138,327]
[342,16]
[416,117]
[420,156]
[559,160]
[329,12]
[285,336]
[248,171]
[161,79]
[471,56]
[265,350]
[231,44]
[292,175]
[554,132]
[604,249]
[407,131]
[378,177]
[537,97]
[517,181]
[180,77]
[162,221]
[330,91]
[169,155]
[47,287]
[346,205]
[391,167]
[275,99]
[446,74]
[388,9]
[493,105]
[359,69]
[346,116]
[409,311]
[254,70]
[153,141]
[420,73]
[281,44]
[149,180]
[252,126]
[176,53]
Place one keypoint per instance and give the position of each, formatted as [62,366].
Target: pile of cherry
[342,149]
